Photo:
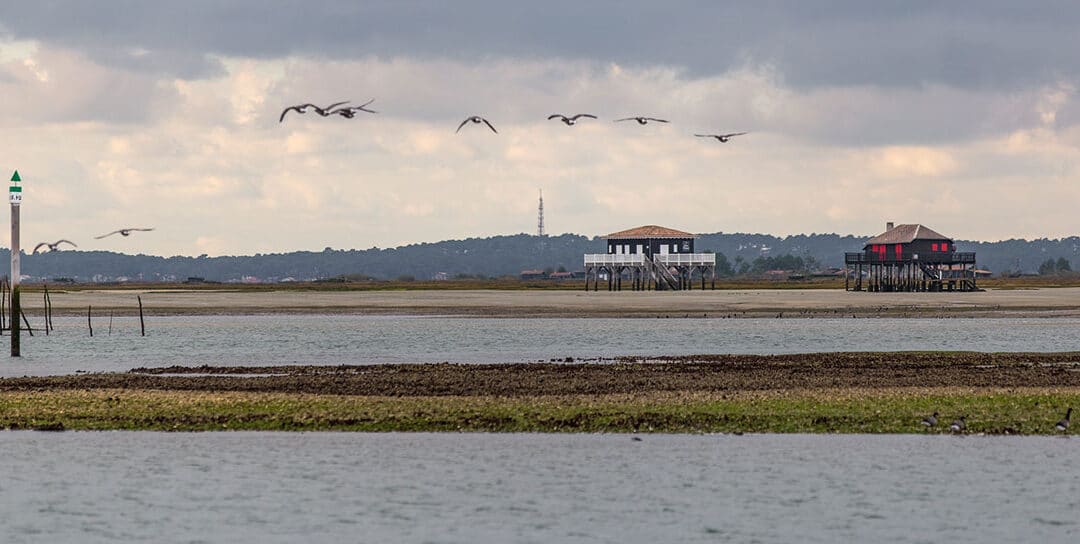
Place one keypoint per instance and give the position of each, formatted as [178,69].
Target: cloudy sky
[960,115]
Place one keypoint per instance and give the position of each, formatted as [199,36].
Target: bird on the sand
[930,421]
[476,119]
[124,232]
[959,425]
[53,246]
[570,121]
[722,138]
[1063,425]
[302,108]
[349,112]
[642,120]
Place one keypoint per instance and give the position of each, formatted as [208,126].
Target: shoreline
[1013,393]
[738,303]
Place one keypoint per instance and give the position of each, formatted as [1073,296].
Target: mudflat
[1012,393]
[1040,302]
[708,373]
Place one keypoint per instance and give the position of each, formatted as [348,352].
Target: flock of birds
[349,112]
[344,110]
[55,246]
[960,423]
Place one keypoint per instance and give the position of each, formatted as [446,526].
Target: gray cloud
[974,44]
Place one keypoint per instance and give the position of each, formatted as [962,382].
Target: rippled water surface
[337,339]
[329,487]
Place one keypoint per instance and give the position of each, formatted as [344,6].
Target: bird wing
[625,119]
[707,135]
[58,242]
[37,247]
[287,110]
[554,115]
[104,235]
[733,134]
[589,115]
[462,124]
[146,229]
[489,125]
[657,120]
[363,107]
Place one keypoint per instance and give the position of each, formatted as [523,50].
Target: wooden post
[45,302]
[3,304]
[29,329]
[89,324]
[110,322]
[142,324]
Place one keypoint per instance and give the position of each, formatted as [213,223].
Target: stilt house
[650,257]
[909,258]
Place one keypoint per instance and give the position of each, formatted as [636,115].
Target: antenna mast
[540,217]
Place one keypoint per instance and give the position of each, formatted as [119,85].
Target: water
[345,339]
[328,487]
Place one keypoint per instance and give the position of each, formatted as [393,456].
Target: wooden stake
[45,302]
[89,324]
[28,327]
[142,323]
[110,322]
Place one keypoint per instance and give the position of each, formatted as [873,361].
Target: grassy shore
[999,393]
[1027,411]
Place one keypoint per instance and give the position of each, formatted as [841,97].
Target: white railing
[601,259]
[689,259]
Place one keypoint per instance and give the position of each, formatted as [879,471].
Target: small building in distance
[909,257]
[649,257]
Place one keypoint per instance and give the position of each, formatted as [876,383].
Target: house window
[933,247]
[686,245]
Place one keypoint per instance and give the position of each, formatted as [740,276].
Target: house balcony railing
[611,259]
[957,257]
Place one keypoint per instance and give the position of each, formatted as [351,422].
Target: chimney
[888,226]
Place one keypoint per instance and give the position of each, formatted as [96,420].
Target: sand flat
[1045,302]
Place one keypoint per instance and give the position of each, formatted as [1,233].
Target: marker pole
[15,193]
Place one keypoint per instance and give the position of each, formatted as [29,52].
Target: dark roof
[649,231]
[905,234]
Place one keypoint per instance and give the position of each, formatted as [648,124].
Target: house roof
[905,234]
[650,231]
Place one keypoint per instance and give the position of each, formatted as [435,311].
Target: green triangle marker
[15,176]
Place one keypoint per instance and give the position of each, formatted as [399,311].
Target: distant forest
[509,255]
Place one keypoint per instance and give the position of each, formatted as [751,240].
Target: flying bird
[1063,425]
[349,112]
[123,232]
[930,421]
[570,121]
[476,119]
[642,120]
[959,424]
[53,246]
[722,138]
[302,108]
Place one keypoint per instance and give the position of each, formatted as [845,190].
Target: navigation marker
[15,191]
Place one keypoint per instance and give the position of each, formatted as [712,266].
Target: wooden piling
[89,323]
[45,303]
[142,323]
[29,329]
[110,322]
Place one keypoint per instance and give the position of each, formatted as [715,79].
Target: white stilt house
[650,257]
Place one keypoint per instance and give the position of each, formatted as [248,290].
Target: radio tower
[540,217]
[540,222]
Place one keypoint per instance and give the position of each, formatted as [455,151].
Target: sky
[963,116]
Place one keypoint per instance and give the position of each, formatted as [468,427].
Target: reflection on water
[345,339]
[328,487]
